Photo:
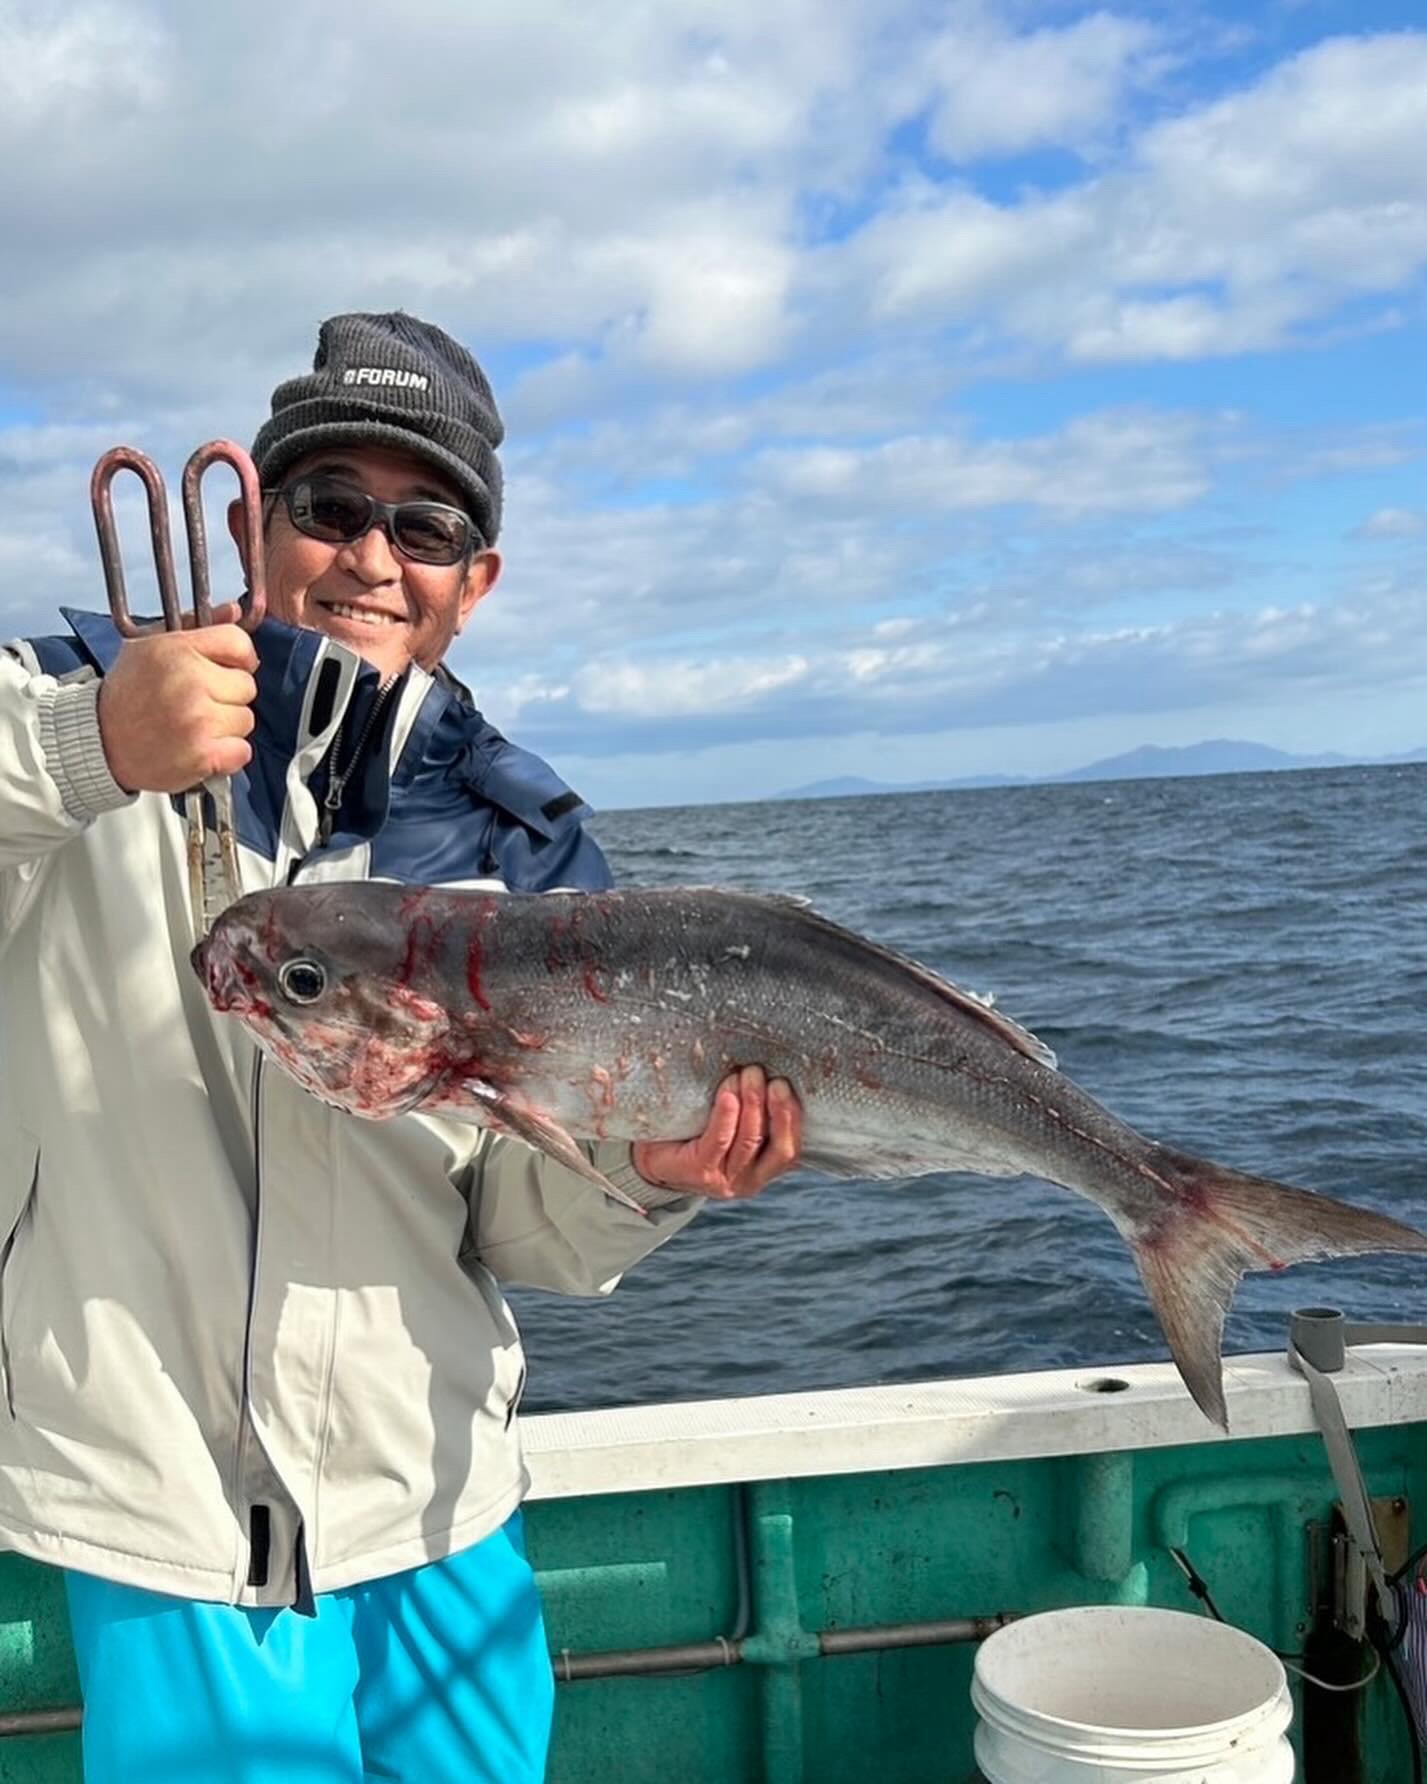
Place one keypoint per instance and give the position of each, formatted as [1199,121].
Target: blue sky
[892,389]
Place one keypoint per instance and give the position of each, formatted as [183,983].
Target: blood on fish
[407,969]
[897,1071]
[475,960]
[412,1003]
[273,942]
[413,902]
[657,1065]
[423,948]
[257,1003]
[554,957]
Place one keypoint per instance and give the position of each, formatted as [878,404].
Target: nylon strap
[1324,1335]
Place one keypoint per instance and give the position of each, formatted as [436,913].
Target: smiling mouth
[364,616]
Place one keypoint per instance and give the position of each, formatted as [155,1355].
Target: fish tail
[1217,1225]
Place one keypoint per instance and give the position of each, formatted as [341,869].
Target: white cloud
[1392,523]
[999,536]
[634,185]
[1232,227]
[684,690]
[950,679]
[60,61]
[714,290]
[640,183]
[1125,462]
[997,93]
[626,176]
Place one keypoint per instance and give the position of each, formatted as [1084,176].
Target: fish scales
[571,1017]
[877,1065]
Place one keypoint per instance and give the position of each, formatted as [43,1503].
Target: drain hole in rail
[1103,1384]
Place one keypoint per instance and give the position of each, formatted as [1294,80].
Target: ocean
[1236,965]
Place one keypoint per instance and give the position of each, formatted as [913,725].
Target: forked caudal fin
[1221,1224]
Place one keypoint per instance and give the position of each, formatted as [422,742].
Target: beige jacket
[252,1348]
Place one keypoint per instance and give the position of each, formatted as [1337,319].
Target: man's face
[389,608]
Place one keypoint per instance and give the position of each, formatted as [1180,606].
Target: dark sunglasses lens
[336,512]
[332,511]
[430,533]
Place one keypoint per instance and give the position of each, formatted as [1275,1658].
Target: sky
[895,389]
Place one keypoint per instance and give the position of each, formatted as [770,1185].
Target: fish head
[325,988]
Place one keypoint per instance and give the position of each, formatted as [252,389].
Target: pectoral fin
[545,1134]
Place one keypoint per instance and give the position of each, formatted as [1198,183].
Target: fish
[569,1017]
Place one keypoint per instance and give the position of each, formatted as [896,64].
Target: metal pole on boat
[22,1722]
[701,1656]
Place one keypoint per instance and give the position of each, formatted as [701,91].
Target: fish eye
[302,981]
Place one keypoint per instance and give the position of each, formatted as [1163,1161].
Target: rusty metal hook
[129,458]
[254,605]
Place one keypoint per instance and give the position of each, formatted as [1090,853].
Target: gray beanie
[395,381]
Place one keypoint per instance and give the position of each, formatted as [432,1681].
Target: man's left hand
[754,1134]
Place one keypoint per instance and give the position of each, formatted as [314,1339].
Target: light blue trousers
[440,1675]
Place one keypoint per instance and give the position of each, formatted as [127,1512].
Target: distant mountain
[1149,762]
[847,786]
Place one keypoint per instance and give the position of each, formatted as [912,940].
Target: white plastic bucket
[1119,1695]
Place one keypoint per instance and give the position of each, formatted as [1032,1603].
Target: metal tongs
[208,902]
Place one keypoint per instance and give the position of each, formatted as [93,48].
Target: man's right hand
[177,706]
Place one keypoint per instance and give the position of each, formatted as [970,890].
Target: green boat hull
[791,1588]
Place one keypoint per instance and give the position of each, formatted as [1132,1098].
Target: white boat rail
[934,1424]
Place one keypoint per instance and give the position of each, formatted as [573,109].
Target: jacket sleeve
[535,1223]
[54,778]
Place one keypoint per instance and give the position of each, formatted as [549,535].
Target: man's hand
[754,1134]
[177,706]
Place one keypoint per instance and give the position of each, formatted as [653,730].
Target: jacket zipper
[331,805]
[245,1384]
[257,1112]
[337,781]
[5,1255]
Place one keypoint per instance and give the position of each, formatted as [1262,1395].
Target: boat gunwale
[945,1423]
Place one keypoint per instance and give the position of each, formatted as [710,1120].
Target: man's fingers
[225,613]
[783,1138]
[753,1134]
[233,721]
[225,644]
[785,1119]
[722,1126]
[228,755]
[785,1130]
[231,687]
[752,1127]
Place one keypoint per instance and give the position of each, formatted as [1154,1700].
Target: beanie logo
[378,374]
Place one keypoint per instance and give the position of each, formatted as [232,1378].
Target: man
[259,1380]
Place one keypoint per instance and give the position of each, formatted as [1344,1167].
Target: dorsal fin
[967,1002]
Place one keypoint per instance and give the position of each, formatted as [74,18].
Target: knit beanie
[391,380]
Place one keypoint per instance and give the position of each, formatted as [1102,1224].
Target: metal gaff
[254,605]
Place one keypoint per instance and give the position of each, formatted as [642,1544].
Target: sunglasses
[340,513]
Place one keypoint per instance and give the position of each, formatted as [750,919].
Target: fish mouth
[221,978]
[198,959]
